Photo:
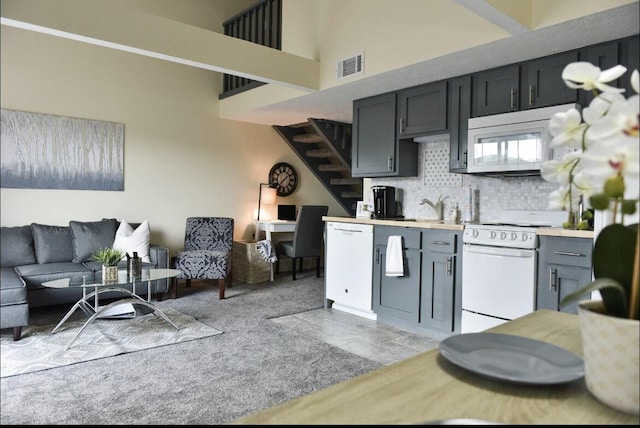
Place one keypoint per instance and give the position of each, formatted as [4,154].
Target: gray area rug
[254,365]
[41,350]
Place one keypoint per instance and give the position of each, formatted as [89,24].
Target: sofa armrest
[160,258]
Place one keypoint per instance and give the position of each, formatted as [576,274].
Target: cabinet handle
[566,253]
[512,94]
[553,278]
[389,163]
[377,255]
[439,243]
[449,265]
[402,125]
[465,159]
[531,94]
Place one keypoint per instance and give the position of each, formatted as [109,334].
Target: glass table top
[80,280]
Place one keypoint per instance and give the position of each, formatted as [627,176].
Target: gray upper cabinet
[542,83]
[422,110]
[605,56]
[564,267]
[376,151]
[459,94]
[496,91]
[630,52]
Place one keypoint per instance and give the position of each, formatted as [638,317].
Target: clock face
[284,178]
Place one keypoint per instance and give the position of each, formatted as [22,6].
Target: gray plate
[512,358]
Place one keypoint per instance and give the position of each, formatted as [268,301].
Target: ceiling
[336,103]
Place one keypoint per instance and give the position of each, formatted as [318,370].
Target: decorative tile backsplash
[434,180]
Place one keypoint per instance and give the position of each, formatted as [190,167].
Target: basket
[248,264]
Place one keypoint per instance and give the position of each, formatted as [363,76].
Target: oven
[499,265]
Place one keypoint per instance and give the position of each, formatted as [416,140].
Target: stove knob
[492,235]
[475,233]
[503,235]
[514,236]
[524,236]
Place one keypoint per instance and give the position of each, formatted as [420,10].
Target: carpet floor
[254,365]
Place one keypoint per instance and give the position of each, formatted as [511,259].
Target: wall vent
[351,66]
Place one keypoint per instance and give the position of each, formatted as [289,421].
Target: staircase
[325,147]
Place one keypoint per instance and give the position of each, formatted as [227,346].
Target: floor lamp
[267,195]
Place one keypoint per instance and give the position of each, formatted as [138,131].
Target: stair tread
[308,138]
[346,181]
[333,167]
[320,153]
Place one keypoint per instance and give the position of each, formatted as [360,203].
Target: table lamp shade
[267,196]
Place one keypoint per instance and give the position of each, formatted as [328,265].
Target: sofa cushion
[16,246]
[130,240]
[34,275]
[52,243]
[13,290]
[88,237]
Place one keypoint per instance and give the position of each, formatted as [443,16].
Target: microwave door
[508,148]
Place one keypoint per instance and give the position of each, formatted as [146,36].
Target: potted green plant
[601,161]
[109,257]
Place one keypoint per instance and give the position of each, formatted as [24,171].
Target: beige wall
[180,159]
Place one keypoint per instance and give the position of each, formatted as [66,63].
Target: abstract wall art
[43,151]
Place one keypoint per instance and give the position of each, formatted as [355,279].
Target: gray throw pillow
[91,236]
[16,246]
[53,243]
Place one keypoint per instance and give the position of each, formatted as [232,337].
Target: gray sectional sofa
[36,253]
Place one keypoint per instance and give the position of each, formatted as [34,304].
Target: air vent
[351,66]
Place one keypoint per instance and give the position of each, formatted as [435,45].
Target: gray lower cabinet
[428,295]
[564,266]
[441,300]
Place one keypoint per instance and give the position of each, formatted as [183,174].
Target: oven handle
[509,252]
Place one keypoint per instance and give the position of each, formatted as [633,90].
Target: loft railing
[261,24]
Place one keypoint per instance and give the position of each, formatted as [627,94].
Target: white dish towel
[394,264]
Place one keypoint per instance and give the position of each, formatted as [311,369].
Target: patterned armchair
[208,242]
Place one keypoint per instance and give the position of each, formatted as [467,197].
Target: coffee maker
[383,199]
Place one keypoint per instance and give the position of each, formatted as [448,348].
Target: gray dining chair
[308,238]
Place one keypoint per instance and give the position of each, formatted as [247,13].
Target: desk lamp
[267,195]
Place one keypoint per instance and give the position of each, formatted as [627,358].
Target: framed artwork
[43,151]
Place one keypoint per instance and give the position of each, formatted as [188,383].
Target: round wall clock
[284,178]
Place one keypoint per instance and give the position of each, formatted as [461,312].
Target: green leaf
[613,257]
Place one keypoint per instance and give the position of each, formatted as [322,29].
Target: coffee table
[94,310]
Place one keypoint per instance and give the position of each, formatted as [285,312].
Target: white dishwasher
[349,268]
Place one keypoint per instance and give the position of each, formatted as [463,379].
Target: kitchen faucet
[438,206]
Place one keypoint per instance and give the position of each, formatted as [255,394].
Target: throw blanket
[265,248]
[394,264]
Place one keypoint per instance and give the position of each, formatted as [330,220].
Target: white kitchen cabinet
[348,268]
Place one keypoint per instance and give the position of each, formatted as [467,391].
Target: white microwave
[514,143]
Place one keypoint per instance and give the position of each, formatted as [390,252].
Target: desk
[273,226]
[427,387]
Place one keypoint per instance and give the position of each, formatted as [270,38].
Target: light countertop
[427,387]
[441,224]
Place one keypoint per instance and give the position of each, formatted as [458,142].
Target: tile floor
[358,335]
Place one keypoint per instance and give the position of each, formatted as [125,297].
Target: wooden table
[273,226]
[427,388]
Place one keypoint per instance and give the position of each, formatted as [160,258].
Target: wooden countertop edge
[436,224]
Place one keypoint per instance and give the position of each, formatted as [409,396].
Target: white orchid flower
[560,171]
[584,75]
[600,106]
[620,120]
[634,81]
[567,129]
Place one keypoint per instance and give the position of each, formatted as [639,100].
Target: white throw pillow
[129,240]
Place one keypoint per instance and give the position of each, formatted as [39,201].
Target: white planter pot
[611,351]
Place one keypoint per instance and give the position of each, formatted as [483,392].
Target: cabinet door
[496,91]
[376,152]
[630,50]
[544,85]
[397,296]
[422,110]
[438,291]
[558,282]
[605,56]
[374,136]
[459,112]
